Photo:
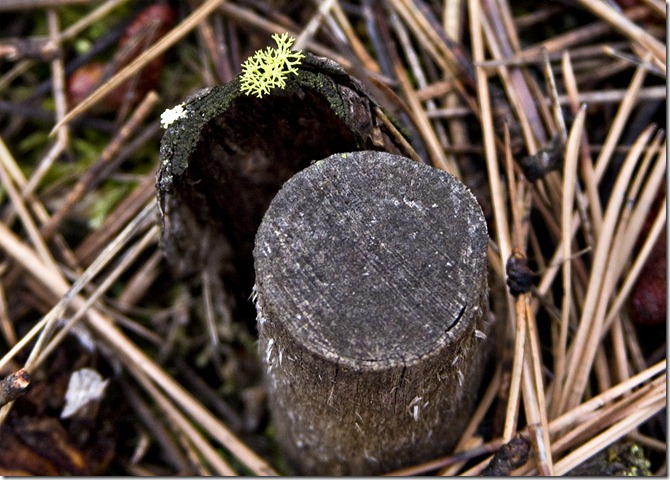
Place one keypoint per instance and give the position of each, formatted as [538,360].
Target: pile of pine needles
[553,114]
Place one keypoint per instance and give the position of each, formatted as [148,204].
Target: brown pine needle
[81,248]
[140,62]
[583,348]
[625,26]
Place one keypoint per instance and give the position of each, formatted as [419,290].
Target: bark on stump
[224,160]
[371,292]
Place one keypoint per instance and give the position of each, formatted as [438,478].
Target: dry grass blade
[436,153]
[57,284]
[203,448]
[481,89]
[150,237]
[605,417]
[140,62]
[583,348]
[567,203]
[92,174]
[586,409]
[19,205]
[133,356]
[625,26]
[622,116]
[593,446]
[534,398]
[504,242]
[517,372]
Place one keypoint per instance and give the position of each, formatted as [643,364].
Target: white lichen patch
[169,116]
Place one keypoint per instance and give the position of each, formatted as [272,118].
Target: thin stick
[535,386]
[620,119]
[354,42]
[592,229]
[512,410]
[515,86]
[148,416]
[220,466]
[436,152]
[91,176]
[150,237]
[24,215]
[652,93]
[638,213]
[129,352]
[178,32]
[498,197]
[626,27]
[455,459]
[605,417]
[536,431]
[585,421]
[57,284]
[609,436]
[576,36]
[313,25]
[579,413]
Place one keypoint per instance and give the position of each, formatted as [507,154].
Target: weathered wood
[371,292]
[222,163]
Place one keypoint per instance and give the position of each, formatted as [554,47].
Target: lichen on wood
[226,156]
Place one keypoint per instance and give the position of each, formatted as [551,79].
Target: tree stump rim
[449,336]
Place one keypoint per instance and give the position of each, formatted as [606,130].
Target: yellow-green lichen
[267,69]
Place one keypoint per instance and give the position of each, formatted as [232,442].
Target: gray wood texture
[222,163]
[371,291]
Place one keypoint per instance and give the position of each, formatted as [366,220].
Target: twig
[619,122]
[131,69]
[13,386]
[583,348]
[129,353]
[91,177]
[626,27]
[220,466]
[610,435]
[510,456]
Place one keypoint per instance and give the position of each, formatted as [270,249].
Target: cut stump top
[372,260]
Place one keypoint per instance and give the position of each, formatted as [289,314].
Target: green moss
[327,87]
[181,136]
[622,459]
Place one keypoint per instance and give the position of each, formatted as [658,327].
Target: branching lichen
[268,69]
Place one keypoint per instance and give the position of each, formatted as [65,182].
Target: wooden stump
[371,290]
[226,157]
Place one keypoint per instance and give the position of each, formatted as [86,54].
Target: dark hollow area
[242,159]
[224,160]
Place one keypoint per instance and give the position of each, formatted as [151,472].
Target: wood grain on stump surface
[371,288]
[370,262]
